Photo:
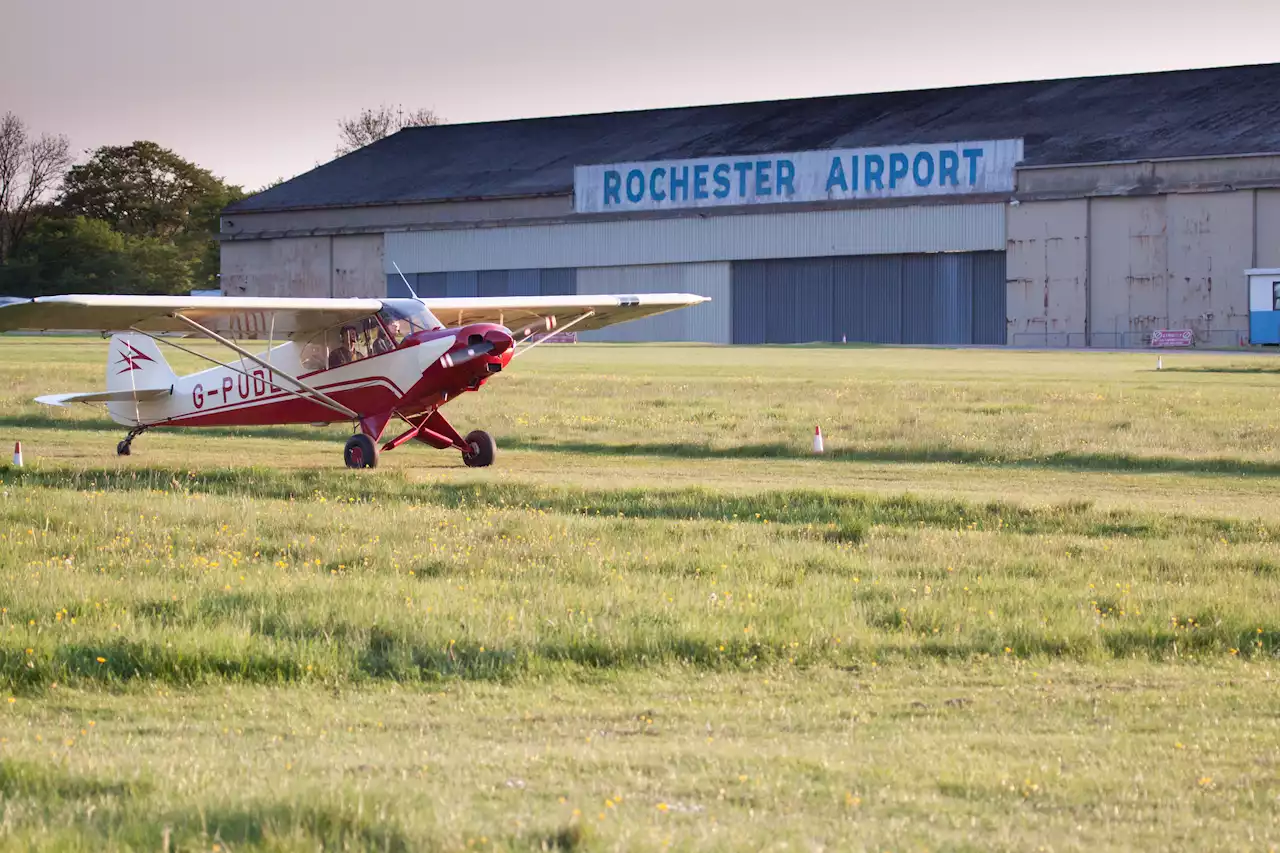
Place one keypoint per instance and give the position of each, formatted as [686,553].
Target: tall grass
[656,611]
[258,576]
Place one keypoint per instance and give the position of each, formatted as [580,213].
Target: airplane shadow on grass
[294,433]
[388,656]
[1104,462]
[1064,461]
[327,825]
[1265,371]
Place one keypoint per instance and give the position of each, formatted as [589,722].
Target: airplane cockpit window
[371,336]
[343,344]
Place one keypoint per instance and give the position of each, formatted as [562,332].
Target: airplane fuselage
[425,371]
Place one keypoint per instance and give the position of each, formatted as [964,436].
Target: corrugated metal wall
[708,322]
[642,242]
[860,308]
[910,299]
[553,282]
[990,299]
[941,298]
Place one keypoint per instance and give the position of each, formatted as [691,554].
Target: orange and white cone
[817,439]
[17,454]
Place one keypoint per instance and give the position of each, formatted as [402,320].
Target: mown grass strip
[1061,460]
[371,655]
[848,515]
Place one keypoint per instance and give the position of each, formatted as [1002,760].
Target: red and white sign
[1172,337]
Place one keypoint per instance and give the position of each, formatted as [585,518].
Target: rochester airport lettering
[965,167]
[753,177]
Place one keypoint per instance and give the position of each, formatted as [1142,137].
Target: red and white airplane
[363,361]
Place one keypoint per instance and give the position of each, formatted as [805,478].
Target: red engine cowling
[478,351]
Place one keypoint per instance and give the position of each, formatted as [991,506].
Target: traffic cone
[817,439]
[17,454]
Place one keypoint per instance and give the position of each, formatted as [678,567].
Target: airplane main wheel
[360,452]
[483,449]
[122,449]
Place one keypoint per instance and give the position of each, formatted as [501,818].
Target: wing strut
[318,396]
[572,322]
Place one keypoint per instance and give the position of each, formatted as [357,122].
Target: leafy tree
[269,184]
[29,170]
[202,243]
[374,124]
[79,255]
[144,190]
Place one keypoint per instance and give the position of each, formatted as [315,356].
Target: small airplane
[362,361]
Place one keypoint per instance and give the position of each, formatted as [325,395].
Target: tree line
[132,218]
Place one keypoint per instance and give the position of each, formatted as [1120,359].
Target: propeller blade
[543,324]
[469,354]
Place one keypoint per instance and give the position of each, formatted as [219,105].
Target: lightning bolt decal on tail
[130,359]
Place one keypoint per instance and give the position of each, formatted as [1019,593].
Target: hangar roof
[1202,112]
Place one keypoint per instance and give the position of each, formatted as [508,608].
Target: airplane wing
[234,316]
[516,311]
[284,317]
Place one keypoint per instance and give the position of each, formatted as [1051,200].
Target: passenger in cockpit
[388,338]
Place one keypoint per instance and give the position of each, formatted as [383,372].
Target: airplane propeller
[471,353]
[547,324]
[543,324]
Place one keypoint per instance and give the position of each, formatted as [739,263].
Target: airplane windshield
[403,317]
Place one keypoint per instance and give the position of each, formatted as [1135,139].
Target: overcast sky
[253,89]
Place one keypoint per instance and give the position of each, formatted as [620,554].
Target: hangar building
[1067,213]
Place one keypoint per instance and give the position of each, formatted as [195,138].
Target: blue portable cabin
[1264,306]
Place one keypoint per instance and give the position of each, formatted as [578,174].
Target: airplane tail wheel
[360,452]
[483,449]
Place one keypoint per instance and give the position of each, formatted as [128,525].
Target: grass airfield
[1027,600]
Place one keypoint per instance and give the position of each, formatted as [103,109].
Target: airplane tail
[135,371]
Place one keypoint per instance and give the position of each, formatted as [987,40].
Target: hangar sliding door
[951,298]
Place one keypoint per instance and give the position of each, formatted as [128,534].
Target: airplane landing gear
[483,449]
[360,452]
[478,448]
[124,447]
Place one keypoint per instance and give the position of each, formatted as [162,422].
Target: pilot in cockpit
[346,353]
